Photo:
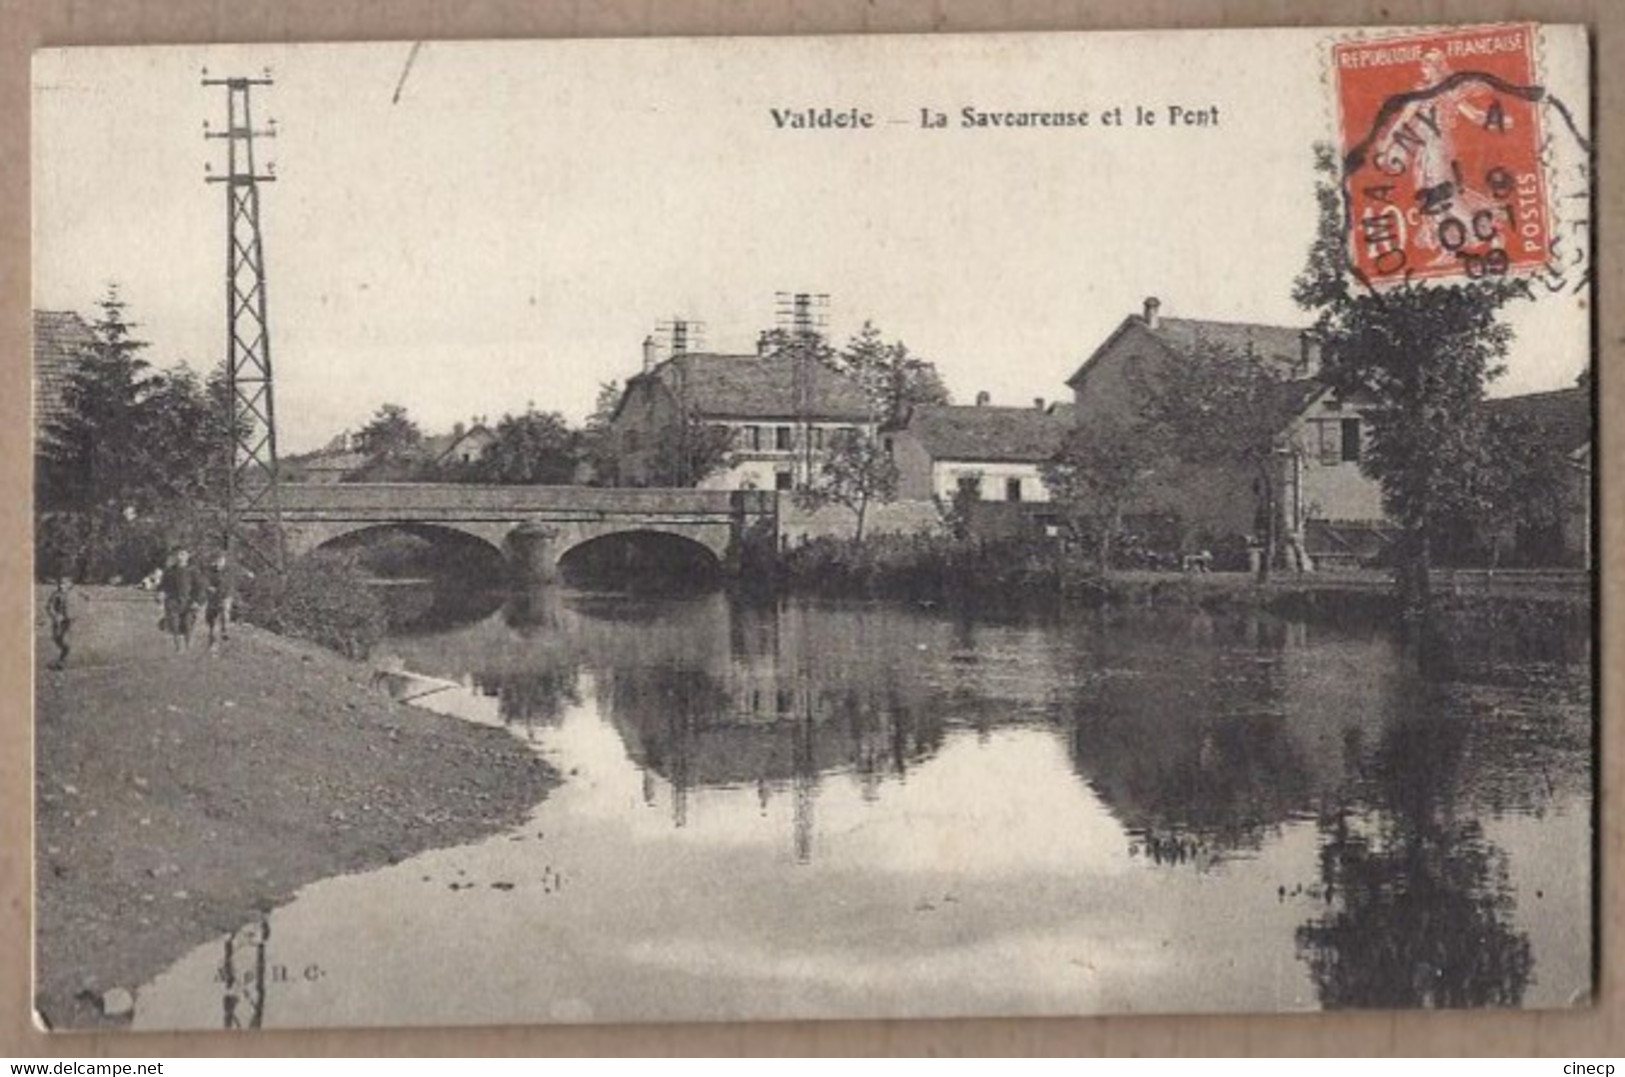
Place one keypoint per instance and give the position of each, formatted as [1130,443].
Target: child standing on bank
[182,591]
[56,608]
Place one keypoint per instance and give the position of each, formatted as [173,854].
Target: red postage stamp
[1441,148]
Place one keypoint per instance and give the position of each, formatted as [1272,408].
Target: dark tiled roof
[61,337]
[1280,346]
[323,460]
[337,461]
[1563,415]
[950,432]
[437,446]
[1289,398]
[1276,344]
[752,387]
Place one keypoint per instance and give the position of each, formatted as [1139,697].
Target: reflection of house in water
[1192,748]
[1205,734]
[789,699]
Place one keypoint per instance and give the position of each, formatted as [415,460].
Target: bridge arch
[638,556]
[481,541]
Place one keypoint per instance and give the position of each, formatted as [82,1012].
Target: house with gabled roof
[1561,422]
[61,339]
[1324,497]
[462,446]
[337,461]
[782,414]
[945,452]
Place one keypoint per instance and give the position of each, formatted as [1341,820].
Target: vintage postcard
[831,527]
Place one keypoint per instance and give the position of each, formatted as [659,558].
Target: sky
[508,231]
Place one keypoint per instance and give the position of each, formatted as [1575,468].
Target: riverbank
[178,796]
[936,568]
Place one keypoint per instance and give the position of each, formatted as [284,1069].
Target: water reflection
[1418,903]
[243,976]
[530,698]
[415,607]
[1216,745]
[766,726]
[1186,734]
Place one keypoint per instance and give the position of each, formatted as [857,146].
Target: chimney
[1038,402]
[1152,306]
[649,354]
[458,429]
[982,398]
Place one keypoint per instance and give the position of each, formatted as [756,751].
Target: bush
[323,598]
[108,547]
[930,565]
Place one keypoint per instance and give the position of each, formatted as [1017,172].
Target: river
[811,808]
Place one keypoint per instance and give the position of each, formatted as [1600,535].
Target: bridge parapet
[422,500]
[544,521]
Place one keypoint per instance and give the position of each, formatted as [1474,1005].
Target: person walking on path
[182,592]
[56,608]
[222,584]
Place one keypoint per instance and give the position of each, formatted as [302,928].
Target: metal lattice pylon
[251,485]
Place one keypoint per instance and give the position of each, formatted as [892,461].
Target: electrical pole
[803,315]
[251,472]
[683,334]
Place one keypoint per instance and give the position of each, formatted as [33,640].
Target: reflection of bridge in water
[534,527]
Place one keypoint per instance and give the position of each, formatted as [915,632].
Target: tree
[1425,353]
[687,452]
[793,344]
[598,436]
[391,435]
[1527,489]
[137,460]
[87,459]
[855,473]
[892,377]
[535,447]
[1220,406]
[186,432]
[1097,472]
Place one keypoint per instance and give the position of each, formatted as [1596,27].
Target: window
[1351,440]
[1330,450]
[888,445]
[1012,489]
[783,480]
[970,486]
[753,438]
[818,437]
[781,438]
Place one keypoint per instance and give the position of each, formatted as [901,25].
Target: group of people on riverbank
[182,589]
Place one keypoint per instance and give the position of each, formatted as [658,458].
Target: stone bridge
[532,526]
